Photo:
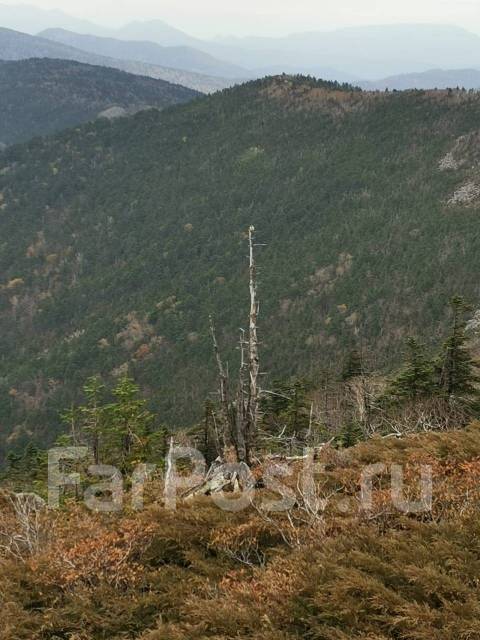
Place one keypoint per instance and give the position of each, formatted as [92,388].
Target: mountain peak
[306,92]
[157,31]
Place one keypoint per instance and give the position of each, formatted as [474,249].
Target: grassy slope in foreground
[120,238]
[381,574]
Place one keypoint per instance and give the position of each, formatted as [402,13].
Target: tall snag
[240,417]
[253,357]
[222,390]
[241,405]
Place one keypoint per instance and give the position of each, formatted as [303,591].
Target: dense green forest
[118,239]
[41,96]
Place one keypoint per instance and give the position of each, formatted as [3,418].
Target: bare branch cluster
[23,525]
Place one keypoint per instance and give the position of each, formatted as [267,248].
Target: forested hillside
[118,239]
[41,96]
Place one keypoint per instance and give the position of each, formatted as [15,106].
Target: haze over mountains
[433,79]
[356,54]
[31,19]
[372,52]
[19,46]
[178,57]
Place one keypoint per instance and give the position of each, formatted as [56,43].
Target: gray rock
[112,113]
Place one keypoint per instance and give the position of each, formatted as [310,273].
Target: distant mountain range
[349,54]
[158,31]
[367,52]
[433,79]
[19,46]
[41,96]
[178,57]
[30,19]
[346,55]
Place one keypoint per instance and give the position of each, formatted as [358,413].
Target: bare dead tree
[223,387]
[240,417]
[253,353]
[421,415]
[23,526]
[362,397]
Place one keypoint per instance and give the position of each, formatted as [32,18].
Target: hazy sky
[269,17]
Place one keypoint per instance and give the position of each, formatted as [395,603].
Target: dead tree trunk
[223,389]
[242,418]
[253,357]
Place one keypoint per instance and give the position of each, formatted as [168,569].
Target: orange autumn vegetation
[201,573]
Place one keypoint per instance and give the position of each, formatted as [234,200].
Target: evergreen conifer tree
[127,423]
[457,370]
[93,415]
[417,378]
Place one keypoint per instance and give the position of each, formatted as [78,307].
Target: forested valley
[245,332]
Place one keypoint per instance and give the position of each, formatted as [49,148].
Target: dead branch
[22,525]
